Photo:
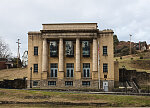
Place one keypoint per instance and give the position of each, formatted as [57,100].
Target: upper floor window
[53,49]
[36,50]
[86,69]
[104,50]
[70,69]
[105,67]
[35,67]
[69,49]
[85,48]
[54,69]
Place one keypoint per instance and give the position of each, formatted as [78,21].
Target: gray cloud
[123,16]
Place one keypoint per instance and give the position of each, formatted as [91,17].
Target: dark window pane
[86,83]
[84,72]
[85,48]
[51,73]
[104,50]
[35,83]
[67,73]
[55,72]
[35,67]
[35,50]
[53,49]
[88,73]
[71,73]
[69,49]
[105,67]
[52,83]
[68,83]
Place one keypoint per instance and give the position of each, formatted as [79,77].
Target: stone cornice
[70,31]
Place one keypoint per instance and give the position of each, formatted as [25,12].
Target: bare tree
[4,50]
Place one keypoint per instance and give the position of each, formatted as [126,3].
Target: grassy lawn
[44,96]
[132,62]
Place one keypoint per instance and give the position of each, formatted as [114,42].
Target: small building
[71,56]
[142,46]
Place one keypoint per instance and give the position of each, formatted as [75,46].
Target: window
[53,49]
[54,69]
[52,83]
[35,83]
[86,83]
[70,69]
[35,50]
[105,67]
[105,76]
[85,49]
[86,69]
[69,49]
[35,67]
[68,83]
[104,50]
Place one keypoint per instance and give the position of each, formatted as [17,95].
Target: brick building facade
[71,56]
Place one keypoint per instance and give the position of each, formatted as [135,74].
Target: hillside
[13,73]
[133,62]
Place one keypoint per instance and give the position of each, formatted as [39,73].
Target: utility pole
[130,45]
[18,54]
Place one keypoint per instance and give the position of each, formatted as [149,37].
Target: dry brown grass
[13,73]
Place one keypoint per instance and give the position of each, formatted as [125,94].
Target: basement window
[35,83]
[68,83]
[86,83]
[52,83]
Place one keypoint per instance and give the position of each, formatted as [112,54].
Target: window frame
[86,83]
[53,68]
[68,83]
[105,67]
[35,69]
[70,70]
[105,50]
[86,68]
[35,50]
[51,84]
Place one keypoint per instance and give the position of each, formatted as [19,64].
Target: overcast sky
[125,17]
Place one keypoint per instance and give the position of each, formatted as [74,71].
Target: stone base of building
[70,84]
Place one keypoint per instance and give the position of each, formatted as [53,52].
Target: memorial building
[71,56]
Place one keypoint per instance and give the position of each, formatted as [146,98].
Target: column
[78,64]
[78,55]
[61,59]
[44,59]
[95,55]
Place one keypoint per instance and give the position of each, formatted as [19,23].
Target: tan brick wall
[34,40]
[106,40]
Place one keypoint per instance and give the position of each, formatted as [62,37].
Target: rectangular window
[35,67]
[85,49]
[104,50]
[70,69]
[52,83]
[54,69]
[86,69]
[35,83]
[36,50]
[53,49]
[105,76]
[105,67]
[68,83]
[69,49]
[86,83]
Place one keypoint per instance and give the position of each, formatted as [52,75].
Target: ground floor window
[52,83]
[86,83]
[35,67]
[68,83]
[86,69]
[35,83]
[54,69]
[70,69]
[105,67]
